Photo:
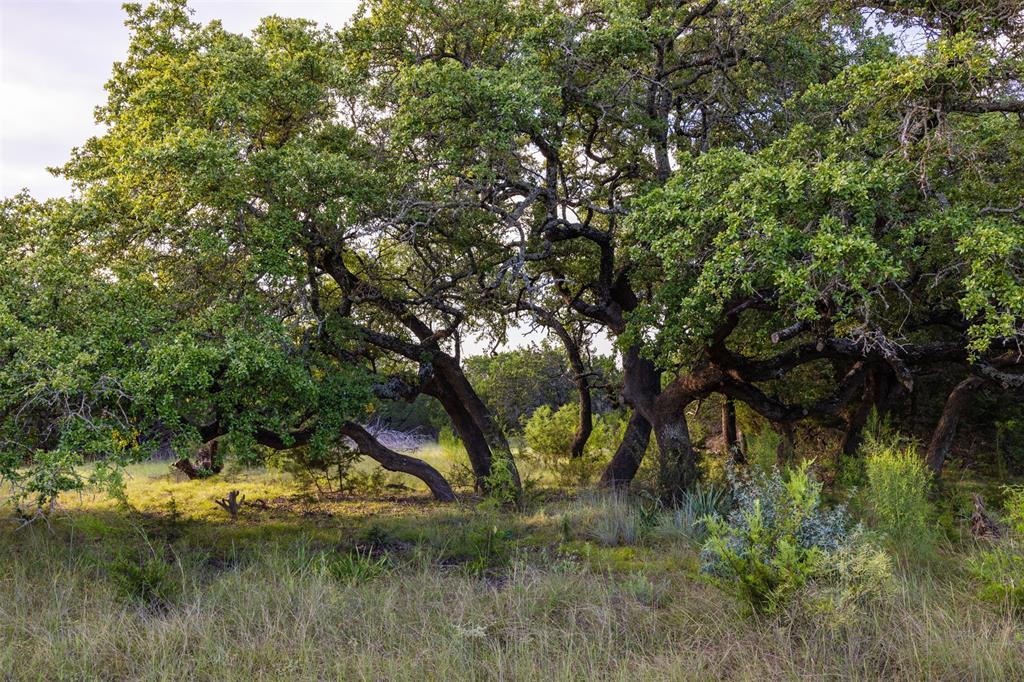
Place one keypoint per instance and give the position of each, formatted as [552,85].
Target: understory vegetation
[758,574]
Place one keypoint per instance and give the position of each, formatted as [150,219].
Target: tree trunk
[678,466]
[394,461]
[880,390]
[585,425]
[641,384]
[730,439]
[945,430]
[621,471]
[473,422]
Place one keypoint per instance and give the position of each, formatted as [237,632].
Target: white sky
[55,56]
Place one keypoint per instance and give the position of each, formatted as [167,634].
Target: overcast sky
[55,56]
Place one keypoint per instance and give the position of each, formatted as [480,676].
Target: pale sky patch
[55,56]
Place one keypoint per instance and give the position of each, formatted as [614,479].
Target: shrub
[549,435]
[856,574]
[688,521]
[325,470]
[895,495]
[774,540]
[1000,572]
[357,566]
[1014,507]
[147,580]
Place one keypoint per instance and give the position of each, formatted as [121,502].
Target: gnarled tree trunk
[395,461]
[945,430]
[621,470]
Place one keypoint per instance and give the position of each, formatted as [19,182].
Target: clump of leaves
[775,539]
[1013,504]
[549,435]
[322,469]
[500,484]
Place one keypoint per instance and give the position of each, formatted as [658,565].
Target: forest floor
[165,585]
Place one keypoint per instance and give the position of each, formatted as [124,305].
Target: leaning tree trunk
[641,383]
[484,441]
[945,430]
[621,470]
[394,461]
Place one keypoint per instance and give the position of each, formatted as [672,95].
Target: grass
[398,587]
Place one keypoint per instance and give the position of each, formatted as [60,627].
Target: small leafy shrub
[500,485]
[855,574]
[147,581]
[355,567]
[1000,573]
[775,538]
[325,470]
[895,496]
[1013,504]
[549,435]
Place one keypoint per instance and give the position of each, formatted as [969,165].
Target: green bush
[775,539]
[895,495]
[148,580]
[1000,573]
[549,435]
[1014,507]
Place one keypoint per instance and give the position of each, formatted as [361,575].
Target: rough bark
[945,430]
[641,384]
[394,461]
[678,464]
[621,470]
[730,439]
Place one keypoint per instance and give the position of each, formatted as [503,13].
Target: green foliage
[776,539]
[549,435]
[857,575]
[500,486]
[148,580]
[353,568]
[895,495]
[320,469]
[999,571]
[1013,505]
